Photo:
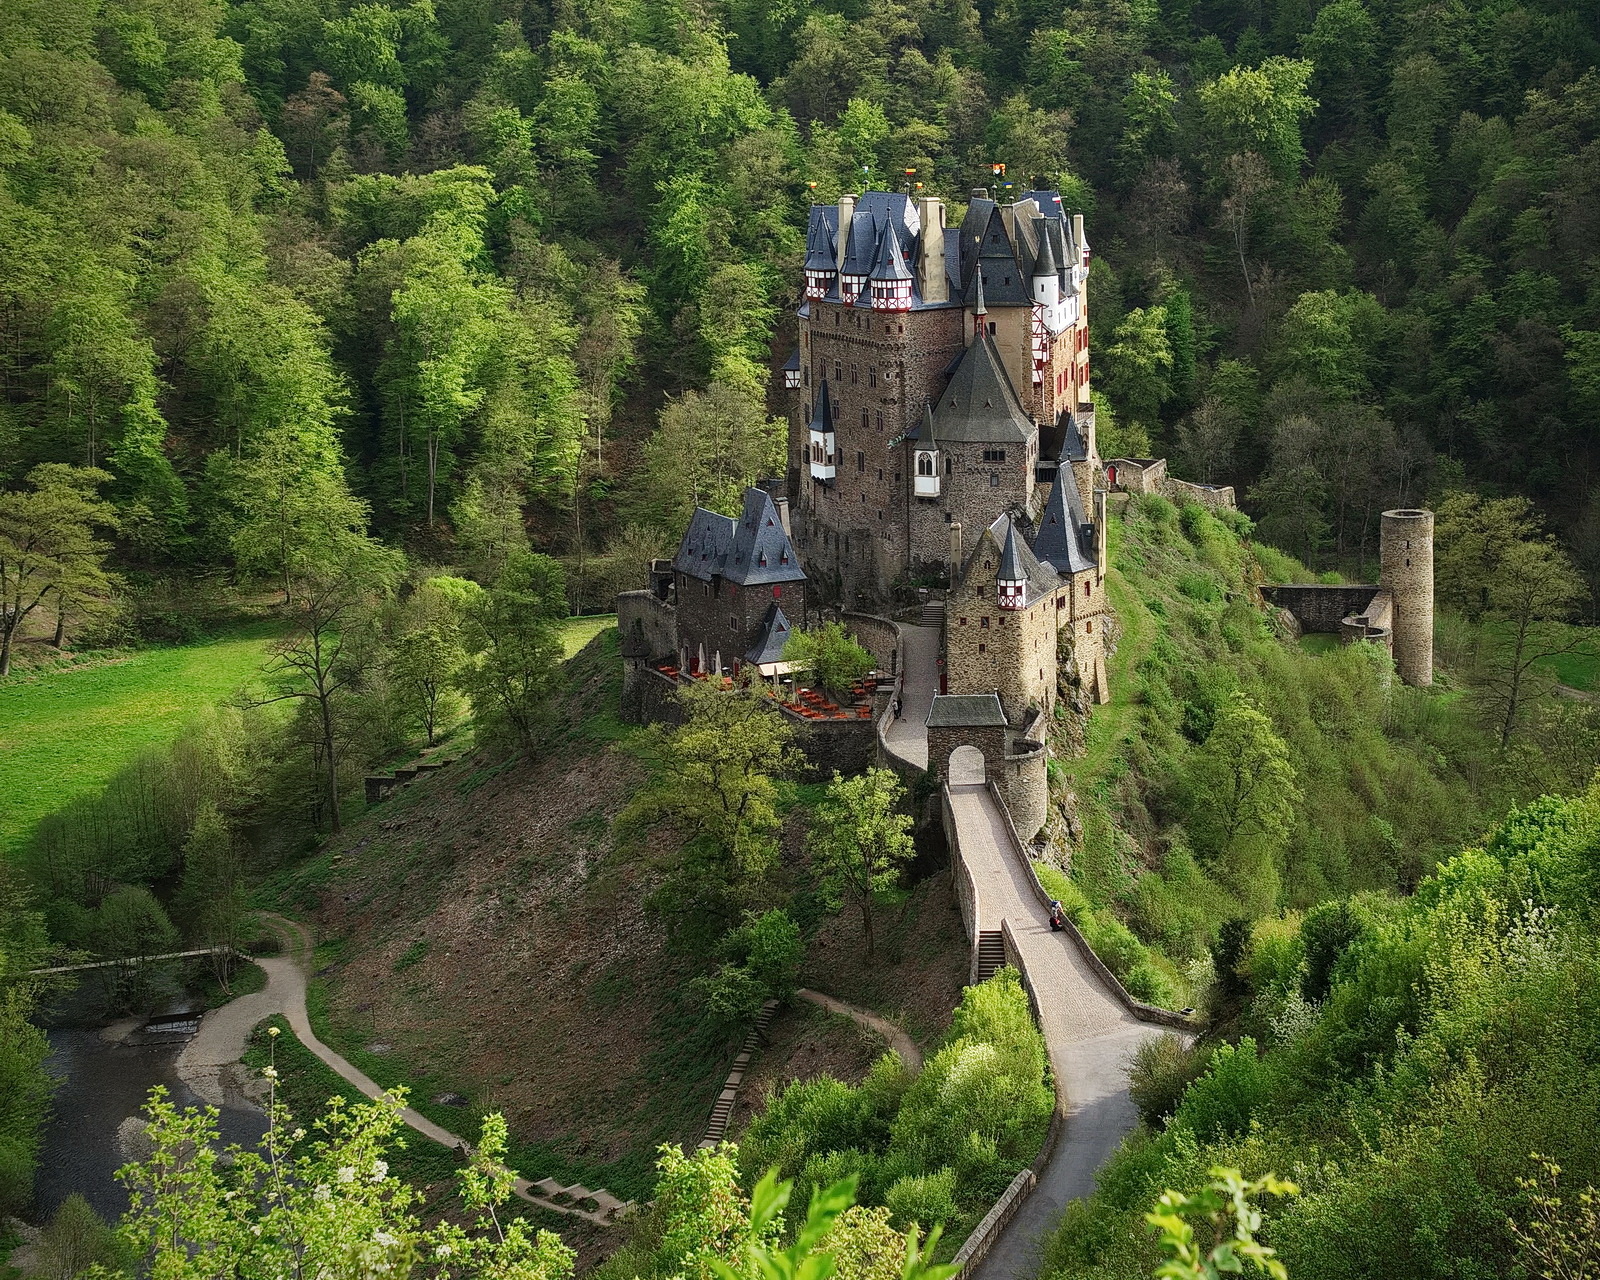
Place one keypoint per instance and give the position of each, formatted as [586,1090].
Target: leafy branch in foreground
[1226,1206]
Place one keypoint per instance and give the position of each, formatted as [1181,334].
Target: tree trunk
[866,920]
[5,647]
[61,624]
[330,763]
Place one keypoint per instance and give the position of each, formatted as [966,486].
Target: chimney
[1100,532]
[782,504]
[955,552]
[847,211]
[1077,238]
[980,193]
[932,282]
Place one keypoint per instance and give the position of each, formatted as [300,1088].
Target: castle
[942,435]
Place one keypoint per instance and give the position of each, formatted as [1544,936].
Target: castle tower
[1406,573]
[1011,583]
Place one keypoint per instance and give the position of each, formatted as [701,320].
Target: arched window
[924,464]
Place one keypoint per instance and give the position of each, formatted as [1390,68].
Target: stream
[92,1131]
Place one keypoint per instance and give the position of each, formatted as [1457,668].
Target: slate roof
[1042,579]
[891,263]
[820,254]
[980,405]
[1066,539]
[752,550]
[966,710]
[1074,442]
[771,639]
[822,415]
[793,362]
[1011,569]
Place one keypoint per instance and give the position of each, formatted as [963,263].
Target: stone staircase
[722,1112]
[598,1205]
[932,613]
[991,953]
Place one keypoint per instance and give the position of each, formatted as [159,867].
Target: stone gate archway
[966,765]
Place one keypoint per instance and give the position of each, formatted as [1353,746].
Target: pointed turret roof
[863,244]
[1011,569]
[1045,263]
[979,403]
[822,413]
[1066,539]
[820,255]
[891,263]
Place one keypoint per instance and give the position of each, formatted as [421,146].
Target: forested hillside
[503,260]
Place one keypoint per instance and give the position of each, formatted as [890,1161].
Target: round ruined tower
[1406,558]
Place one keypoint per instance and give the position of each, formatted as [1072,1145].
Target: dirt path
[212,1056]
[898,1040]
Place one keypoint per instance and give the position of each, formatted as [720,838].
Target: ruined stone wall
[1215,497]
[1135,475]
[647,625]
[1320,608]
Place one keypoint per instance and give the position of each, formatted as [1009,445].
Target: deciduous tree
[860,840]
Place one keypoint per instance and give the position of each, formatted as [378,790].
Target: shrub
[1235,1086]
[1161,1070]
[923,1200]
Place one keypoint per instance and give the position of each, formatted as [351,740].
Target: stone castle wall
[647,625]
[1319,608]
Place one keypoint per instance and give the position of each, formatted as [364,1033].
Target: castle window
[1088,628]
[880,423]
[733,622]
[863,419]
[991,328]
[872,375]
[835,319]
[880,475]
[861,460]
[1085,588]
[963,622]
[855,375]
[994,479]
[947,466]
[777,593]
[983,648]
[1061,602]
[994,455]
[838,372]
[983,623]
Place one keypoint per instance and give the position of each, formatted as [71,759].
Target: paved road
[907,737]
[224,1033]
[898,1040]
[1088,1032]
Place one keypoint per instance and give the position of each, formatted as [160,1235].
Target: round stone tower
[1406,573]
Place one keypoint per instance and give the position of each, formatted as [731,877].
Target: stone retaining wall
[878,636]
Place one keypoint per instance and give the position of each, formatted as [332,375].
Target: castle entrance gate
[966,766]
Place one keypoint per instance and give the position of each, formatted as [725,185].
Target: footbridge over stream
[1090,1023]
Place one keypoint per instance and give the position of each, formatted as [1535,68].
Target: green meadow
[64,732]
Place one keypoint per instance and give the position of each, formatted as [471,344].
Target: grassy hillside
[67,730]
[1386,780]
[486,931]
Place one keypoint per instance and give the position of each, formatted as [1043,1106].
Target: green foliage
[860,837]
[515,652]
[24,1086]
[831,654]
[1456,1035]
[325,1196]
[1224,1205]
[937,1146]
[718,778]
[761,962]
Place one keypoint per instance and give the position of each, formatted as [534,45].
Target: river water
[103,1086]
